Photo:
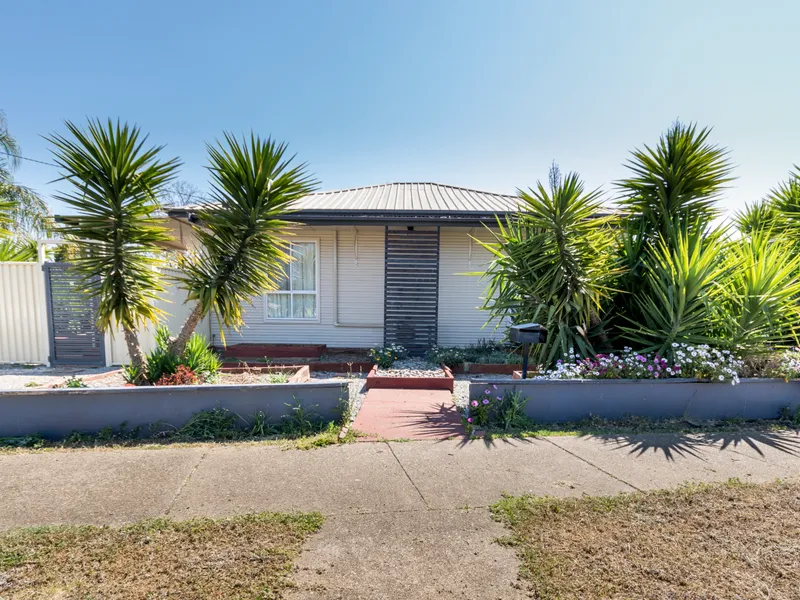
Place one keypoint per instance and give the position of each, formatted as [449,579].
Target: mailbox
[528,333]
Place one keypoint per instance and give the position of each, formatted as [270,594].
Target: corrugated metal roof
[411,197]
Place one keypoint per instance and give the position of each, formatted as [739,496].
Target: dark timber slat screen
[411,291]
[71,315]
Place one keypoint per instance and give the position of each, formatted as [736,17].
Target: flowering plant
[701,362]
[385,357]
[491,409]
[788,365]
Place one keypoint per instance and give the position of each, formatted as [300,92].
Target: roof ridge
[392,183]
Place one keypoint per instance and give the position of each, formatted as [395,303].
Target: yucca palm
[679,296]
[760,304]
[242,252]
[681,178]
[552,264]
[761,215]
[115,184]
[785,198]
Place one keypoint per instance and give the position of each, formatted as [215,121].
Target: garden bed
[554,401]
[401,376]
[55,413]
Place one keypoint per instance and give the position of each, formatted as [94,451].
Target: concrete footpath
[404,519]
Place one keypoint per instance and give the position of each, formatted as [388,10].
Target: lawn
[248,556]
[728,540]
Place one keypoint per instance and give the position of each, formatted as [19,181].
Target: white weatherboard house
[379,265]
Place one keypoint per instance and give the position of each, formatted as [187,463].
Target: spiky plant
[679,295]
[785,198]
[761,215]
[16,251]
[681,179]
[552,264]
[241,250]
[760,303]
[115,182]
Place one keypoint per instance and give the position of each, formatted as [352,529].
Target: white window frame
[316,292]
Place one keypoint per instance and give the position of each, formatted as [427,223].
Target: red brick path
[409,414]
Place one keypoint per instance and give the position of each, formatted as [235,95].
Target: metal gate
[411,289]
[71,317]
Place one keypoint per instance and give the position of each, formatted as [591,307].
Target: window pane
[304,306]
[279,306]
[304,275]
[283,283]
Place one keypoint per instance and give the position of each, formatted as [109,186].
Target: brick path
[409,414]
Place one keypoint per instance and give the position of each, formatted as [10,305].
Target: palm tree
[241,253]
[552,264]
[21,209]
[670,201]
[115,187]
[680,179]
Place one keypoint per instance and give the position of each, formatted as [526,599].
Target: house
[378,265]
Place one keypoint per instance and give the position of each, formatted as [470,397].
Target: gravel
[18,377]
[412,367]
[461,386]
[356,384]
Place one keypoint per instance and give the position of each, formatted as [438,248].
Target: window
[296,297]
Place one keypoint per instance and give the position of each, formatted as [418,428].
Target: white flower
[722,378]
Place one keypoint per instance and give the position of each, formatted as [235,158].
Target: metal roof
[416,198]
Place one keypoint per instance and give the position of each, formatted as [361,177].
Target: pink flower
[498,397]
[649,367]
[469,420]
[494,386]
[486,401]
[488,392]
[474,403]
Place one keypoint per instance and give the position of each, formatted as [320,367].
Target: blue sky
[479,94]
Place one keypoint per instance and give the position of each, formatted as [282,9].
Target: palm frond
[681,177]
[242,252]
[682,284]
[115,182]
[761,215]
[553,265]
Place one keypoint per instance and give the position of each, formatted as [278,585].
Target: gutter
[336,322]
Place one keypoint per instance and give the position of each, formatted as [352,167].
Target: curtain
[304,276]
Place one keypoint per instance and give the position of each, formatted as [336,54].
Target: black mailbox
[528,333]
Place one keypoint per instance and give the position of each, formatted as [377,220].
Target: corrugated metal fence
[23,313]
[24,333]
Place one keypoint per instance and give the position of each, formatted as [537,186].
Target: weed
[214,424]
[299,421]
[277,377]
[75,382]
[32,384]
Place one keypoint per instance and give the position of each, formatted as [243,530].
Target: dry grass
[243,557]
[722,541]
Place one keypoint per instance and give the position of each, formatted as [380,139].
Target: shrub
[160,362]
[183,375]
[130,373]
[385,357]
[787,366]
[451,357]
[214,424]
[200,358]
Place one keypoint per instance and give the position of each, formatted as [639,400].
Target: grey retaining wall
[572,400]
[56,413]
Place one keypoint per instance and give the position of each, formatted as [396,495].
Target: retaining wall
[56,413]
[572,400]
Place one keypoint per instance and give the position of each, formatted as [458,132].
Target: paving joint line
[411,481]
[184,483]
[594,466]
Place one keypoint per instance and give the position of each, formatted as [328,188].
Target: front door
[411,288]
